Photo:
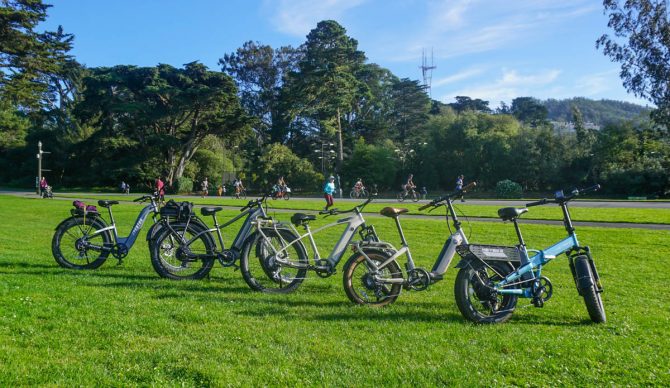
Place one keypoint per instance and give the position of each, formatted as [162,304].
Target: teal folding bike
[491,278]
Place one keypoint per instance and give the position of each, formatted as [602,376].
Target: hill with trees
[598,112]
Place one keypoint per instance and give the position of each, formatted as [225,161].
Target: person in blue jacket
[328,190]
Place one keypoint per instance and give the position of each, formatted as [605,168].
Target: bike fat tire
[74,231]
[592,299]
[360,287]
[260,270]
[482,310]
[167,252]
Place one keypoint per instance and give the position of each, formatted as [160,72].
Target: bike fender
[584,278]
[73,217]
[467,262]
[155,228]
[475,262]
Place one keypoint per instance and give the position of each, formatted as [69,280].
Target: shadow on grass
[20,264]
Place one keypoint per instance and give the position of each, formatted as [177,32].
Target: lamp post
[323,154]
[40,152]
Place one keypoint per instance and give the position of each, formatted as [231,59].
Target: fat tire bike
[372,276]
[275,261]
[85,240]
[186,247]
[492,278]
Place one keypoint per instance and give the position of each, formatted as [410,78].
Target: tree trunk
[340,148]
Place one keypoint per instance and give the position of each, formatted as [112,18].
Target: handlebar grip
[595,187]
[537,203]
[469,186]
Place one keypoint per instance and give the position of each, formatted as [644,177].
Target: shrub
[183,185]
[508,189]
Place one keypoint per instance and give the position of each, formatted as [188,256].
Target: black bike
[186,248]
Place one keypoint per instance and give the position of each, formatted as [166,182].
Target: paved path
[487,202]
[595,204]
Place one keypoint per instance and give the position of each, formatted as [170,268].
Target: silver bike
[372,276]
[275,261]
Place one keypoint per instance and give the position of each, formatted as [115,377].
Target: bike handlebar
[144,198]
[336,211]
[255,202]
[575,193]
[537,203]
[445,197]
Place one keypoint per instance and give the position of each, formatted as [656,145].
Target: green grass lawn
[122,325]
[546,212]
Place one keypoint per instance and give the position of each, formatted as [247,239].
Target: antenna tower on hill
[427,70]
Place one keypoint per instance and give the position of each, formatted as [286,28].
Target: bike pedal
[538,302]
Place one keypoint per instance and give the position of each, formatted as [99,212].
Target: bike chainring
[226,258]
[119,251]
[324,269]
[418,279]
[542,291]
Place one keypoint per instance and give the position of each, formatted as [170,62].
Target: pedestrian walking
[328,190]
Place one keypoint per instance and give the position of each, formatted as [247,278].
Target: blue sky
[495,50]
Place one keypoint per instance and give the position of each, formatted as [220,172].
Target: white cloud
[469,73]
[459,27]
[298,17]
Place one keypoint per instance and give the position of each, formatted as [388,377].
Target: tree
[26,56]
[464,103]
[160,112]
[260,74]
[641,43]
[327,78]
[529,110]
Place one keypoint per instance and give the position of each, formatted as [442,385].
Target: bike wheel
[475,297]
[77,245]
[352,194]
[415,197]
[287,196]
[592,299]
[183,252]
[260,268]
[243,194]
[361,287]
[400,197]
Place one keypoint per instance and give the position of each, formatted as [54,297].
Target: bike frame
[534,264]
[129,241]
[252,214]
[444,258]
[352,225]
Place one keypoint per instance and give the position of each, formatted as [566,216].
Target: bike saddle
[510,213]
[300,218]
[392,211]
[209,210]
[105,203]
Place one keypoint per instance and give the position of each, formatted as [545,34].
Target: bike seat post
[400,232]
[518,232]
